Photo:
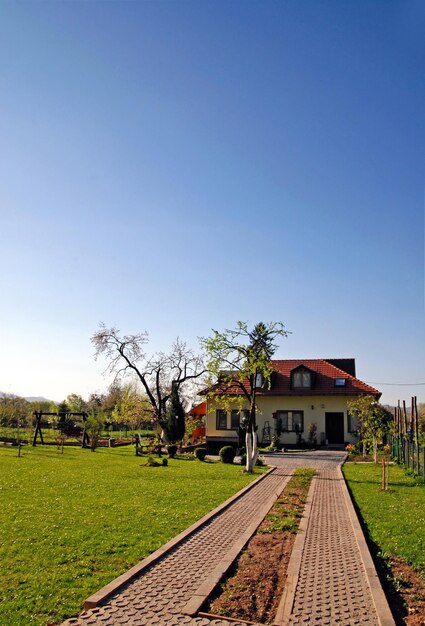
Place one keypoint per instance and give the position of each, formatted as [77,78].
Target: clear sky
[176,166]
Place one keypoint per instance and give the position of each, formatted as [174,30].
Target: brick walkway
[332,586]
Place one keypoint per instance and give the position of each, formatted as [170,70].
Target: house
[305,395]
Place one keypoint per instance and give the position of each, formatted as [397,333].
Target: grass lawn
[71,523]
[395,520]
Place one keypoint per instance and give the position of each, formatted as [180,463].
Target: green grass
[287,511]
[71,523]
[395,520]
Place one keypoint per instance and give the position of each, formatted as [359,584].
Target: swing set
[62,417]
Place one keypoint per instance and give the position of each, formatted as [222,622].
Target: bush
[201,453]
[274,444]
[353,449]
[150,462]
[258,463]
[165,462]
[172,451]
[227,454]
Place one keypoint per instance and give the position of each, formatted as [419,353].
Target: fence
[407,452]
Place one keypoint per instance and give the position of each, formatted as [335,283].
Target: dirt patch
[405,591]
[360,458]
[254,586]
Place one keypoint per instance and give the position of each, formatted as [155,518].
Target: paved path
[332,586]
[336,580]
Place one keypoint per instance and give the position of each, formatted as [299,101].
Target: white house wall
[314,409]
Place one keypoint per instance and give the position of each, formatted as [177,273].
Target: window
[290,421]
[353,424]
[259,380]
[340,382]
[235,419]
[221,419]
[301,379]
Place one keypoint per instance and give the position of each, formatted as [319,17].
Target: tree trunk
[254,449]
[251,451]
[248,446]
[375,449]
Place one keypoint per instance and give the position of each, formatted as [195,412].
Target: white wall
[314,408]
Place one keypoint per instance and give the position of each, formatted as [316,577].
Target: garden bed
[254,585]
[405,591]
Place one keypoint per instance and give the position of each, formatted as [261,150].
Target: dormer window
[340,382]
[301,379]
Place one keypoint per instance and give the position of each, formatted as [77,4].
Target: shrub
[172,451]
[312,434]
[259,462]
[227,454]
[165,462]
[353,449]
[201,453]
[274,445]
[150,462]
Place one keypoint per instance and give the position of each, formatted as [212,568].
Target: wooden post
[38,416]
[406,425]
[401,427]
[416,431]
[384,474]
[416,419]
[387,475]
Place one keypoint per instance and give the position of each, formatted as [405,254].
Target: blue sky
[178,166]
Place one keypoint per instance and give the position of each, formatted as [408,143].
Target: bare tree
[157,373]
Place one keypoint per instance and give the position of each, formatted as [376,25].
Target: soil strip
[255,583]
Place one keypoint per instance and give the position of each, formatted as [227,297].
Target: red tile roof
[199,409]
[324,380]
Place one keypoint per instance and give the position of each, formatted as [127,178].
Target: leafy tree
[374,421]
[94,427]
[14,413]
[65,421]
[13,409]
[157,373]
[239,364]
[174,426]
[75,403]
[130,408]
[42,405]
[95,402]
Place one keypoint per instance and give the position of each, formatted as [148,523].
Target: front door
[334,427]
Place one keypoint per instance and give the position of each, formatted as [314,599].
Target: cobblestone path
[160,594]
[332,586]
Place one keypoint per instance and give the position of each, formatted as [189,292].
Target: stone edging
[207,587]
[100,596]
[286,603]
[382,608]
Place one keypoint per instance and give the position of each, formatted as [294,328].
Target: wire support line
[395,384]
